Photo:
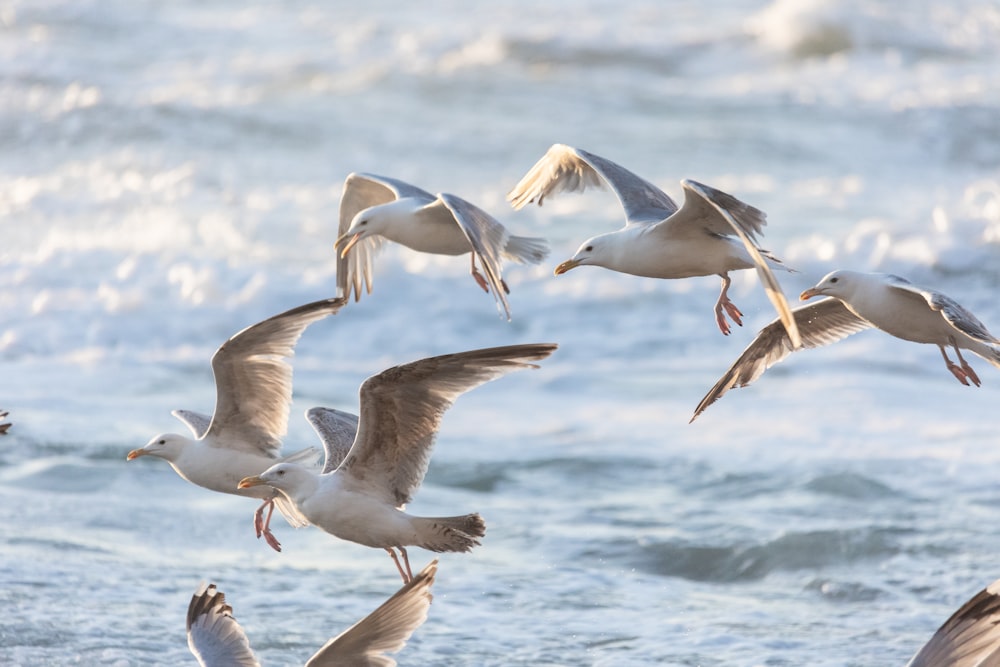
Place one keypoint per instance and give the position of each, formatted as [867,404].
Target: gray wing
[821,323]
[970,638]
[402,407]
[253,379]
[487,237]
[214,636]
[363,191]
[196,421]
[952,311]
[567,169]
[743,220]
[385,630]
[337,430]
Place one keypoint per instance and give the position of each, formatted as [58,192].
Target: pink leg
[406,562]
[395,559]
[954,368]
[731,309]
[478,276]
[263,526]
[971,374]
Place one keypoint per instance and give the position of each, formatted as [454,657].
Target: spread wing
[970,638]
[820,323]
[567,169]
[197,422]
[214,636]
[253,379]
[951,310]
[385,630]
[743,220]
[487,237]
[337,430]
[363,191]
[402,407]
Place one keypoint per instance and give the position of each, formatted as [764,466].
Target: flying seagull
[374,209]
[361,494]
[217,640]
[660,240]
[253,384]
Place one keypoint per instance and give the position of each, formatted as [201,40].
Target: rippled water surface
[170,173]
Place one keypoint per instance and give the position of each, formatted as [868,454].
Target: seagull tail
[526,249]
[991,354]
[452,533]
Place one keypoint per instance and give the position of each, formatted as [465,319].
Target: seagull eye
[588,248]
[363,222]
[833,280]
[281,473]
[162,442]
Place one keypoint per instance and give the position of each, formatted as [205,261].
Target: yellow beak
[247,482]
[135,453]
[809,293]
[351,241]
[566,266]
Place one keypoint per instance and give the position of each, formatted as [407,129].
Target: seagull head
[365,223]
[837,284]
[590,252]
[167,446]
[287,477]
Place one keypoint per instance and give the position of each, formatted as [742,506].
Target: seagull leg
[478,276]
[731,309]
[971,374]
[263,526]
[406,562]
[954,368]
[395,559]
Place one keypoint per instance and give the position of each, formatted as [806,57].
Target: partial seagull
[859,301]
[659,239]
[4,427]
[361,494]
[374,209]
[217,640]
[243,437]
[970,638]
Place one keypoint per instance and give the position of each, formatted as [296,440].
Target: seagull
[4,427]
[374,209]
[253,394]
[659,239]
[970,638]
[217,640]
[361,494]
[859,301]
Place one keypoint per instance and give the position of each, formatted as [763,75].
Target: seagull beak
[566,266]
[809,293]
[135,453]
[247,482]
[348,240]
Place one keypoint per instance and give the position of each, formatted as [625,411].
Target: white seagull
[375,208]
[253,384]
[361,494]
[859,301]
[217,640]
[969,638]
[659,239]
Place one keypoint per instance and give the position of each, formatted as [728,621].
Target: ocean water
[170,173]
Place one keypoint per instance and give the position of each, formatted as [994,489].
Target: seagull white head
[286,477]
[166,446]
[366,223]
[838,284]
[595,251]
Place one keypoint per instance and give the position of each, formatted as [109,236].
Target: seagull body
[217,640]
[969,638]
[361,494]
[374,209]
[712,234]
[859,301]
[243,437]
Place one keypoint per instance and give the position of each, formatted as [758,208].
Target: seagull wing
[952,311]
[337,430]
[385,630]
[820,323]
[487,237]
[253,379]
[363,191]
[197,422]
[970,638]
[717,210]
[402,407]
[567,169]
[215,638]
